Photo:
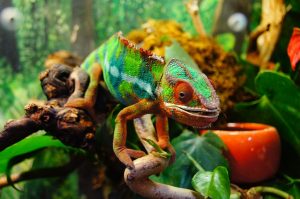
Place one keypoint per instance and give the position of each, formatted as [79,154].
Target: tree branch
[16,130]
[138,180]
[263,39]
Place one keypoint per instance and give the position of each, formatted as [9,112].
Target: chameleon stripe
[179,70]
[127,71]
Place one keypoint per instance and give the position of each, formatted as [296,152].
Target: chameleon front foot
[81,103]
[125,156]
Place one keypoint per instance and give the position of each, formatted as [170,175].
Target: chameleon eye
[183,92]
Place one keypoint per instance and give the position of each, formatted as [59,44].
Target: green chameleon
[146,85]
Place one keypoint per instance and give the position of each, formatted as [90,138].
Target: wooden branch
[16,130]
[42,173]
[138,180]
[264,38]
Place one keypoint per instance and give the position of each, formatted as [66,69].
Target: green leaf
[226,40]
[207,11]
[251,72]
[214,139]
[278,106]
[213,184]
[201,148]
[176,51]
[26,146]
[195,163]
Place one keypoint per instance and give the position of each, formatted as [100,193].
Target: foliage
[207,11]
[45,28]
[26,146]
[213,184]
[125,21]
[203,149]
[274,107]
[65,187]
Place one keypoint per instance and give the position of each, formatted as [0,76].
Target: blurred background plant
[30,30]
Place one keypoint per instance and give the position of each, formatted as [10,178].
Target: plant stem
[193,9]
[43,172]
[272,190]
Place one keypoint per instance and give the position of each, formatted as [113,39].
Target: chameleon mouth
[196,112]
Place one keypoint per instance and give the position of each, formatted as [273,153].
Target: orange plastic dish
[253,151]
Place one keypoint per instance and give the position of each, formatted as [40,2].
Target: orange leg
[88,101]
[120,133]
[162,129]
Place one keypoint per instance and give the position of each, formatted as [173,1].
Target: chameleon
[146,84]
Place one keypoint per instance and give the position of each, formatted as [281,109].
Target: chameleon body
[146,85]
[129,74]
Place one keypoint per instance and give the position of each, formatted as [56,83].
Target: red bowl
[253,151]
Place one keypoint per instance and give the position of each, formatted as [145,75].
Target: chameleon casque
[146,85]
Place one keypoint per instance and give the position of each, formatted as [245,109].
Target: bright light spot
[237,22]
[10,18]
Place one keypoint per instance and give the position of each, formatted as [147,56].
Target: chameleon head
[187,95]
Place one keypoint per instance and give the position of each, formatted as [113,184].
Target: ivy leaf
[214,139]
[215,184]
[203,149]
[278,106]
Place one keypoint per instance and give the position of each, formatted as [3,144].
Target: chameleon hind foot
[125,156]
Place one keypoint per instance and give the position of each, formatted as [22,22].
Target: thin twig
[271,190]
[42,173]
[217,15]
[193,9]
[16,130]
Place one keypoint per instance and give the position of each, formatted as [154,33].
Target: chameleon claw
[125,156]
[171,149]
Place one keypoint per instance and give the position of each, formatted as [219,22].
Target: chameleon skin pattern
[177,71]
[130,74]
